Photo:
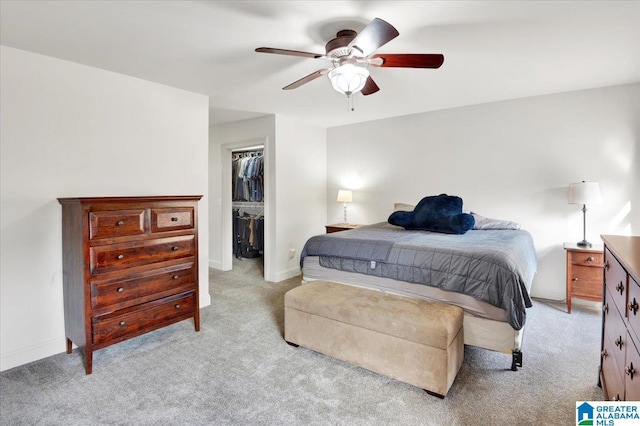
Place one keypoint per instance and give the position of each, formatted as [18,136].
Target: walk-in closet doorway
[245,203]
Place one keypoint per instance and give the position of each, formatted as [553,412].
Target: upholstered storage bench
[412,340]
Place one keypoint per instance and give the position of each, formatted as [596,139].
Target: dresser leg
[196,320]
[69,345]
[88,360]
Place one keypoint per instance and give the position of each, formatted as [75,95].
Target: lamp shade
[348,78]
[584,193]
[344,195]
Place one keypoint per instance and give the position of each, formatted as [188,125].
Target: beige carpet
[238,371]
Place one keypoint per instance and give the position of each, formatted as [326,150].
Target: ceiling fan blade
[370,87]
[289,52]
[408,60]
[374,35]
[305,80]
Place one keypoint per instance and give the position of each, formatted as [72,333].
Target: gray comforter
[495,266]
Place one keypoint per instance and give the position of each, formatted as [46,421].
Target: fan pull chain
[350,102]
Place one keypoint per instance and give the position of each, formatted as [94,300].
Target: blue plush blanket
[495,266]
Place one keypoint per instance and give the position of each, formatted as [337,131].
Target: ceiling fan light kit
[351,55]
[348,78]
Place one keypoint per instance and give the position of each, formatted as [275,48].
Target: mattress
[488,273]
[314,271]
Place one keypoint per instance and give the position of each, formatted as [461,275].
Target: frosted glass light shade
[348,78]
[344,195]
[584,193]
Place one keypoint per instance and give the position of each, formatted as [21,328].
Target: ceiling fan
[351,54]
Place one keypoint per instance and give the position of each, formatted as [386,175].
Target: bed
[488,273]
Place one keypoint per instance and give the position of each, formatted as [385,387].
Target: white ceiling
[494,50]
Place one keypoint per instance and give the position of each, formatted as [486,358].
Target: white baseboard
[32,353]
[556,296]
[215,264]
[284,275]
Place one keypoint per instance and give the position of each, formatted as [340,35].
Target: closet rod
[253,148]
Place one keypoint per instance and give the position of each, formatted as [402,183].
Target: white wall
[509,160]
[295,189]
[301,188]
[70,130]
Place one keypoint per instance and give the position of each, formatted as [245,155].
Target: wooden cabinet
[130,266]
[620,355]
[337,227]
[584,273]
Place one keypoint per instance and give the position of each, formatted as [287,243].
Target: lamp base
[584,243]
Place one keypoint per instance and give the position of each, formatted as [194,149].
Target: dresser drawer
[116,223]
[134,290]
[615,332]
[117,256]
[633,310]
[614,384]
[147,317]
[615,278]
[632,373]
[170,219]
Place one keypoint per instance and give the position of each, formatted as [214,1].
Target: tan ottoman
[411,340]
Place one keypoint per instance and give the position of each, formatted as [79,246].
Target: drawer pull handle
[590,259]
[122,323]
[604,354]
[120,289]
[633,306]
[175,277]
[629,371]
[606,265]
[174,248]
[605,308]
[575,279]
[174,219]
[620,287]
[178,306]
[120,256]
[120,222]
[618,342]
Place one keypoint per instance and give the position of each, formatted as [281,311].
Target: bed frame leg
[516,359]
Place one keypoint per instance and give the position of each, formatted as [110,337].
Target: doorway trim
[227,217]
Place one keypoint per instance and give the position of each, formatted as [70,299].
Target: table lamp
[344,196]
[584,193]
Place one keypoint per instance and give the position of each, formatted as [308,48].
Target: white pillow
[488,223]
[403,207]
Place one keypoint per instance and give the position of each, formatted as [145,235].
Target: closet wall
[247,191]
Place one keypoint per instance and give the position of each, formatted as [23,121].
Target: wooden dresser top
[627,250]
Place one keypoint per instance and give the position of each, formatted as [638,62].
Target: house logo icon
[585,414]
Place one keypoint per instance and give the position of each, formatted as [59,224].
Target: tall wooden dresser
[620,348]
[130,266]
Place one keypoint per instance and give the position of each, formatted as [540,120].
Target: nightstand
[584,273]
[337,227]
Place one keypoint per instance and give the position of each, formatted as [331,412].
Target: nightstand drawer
[587,259]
